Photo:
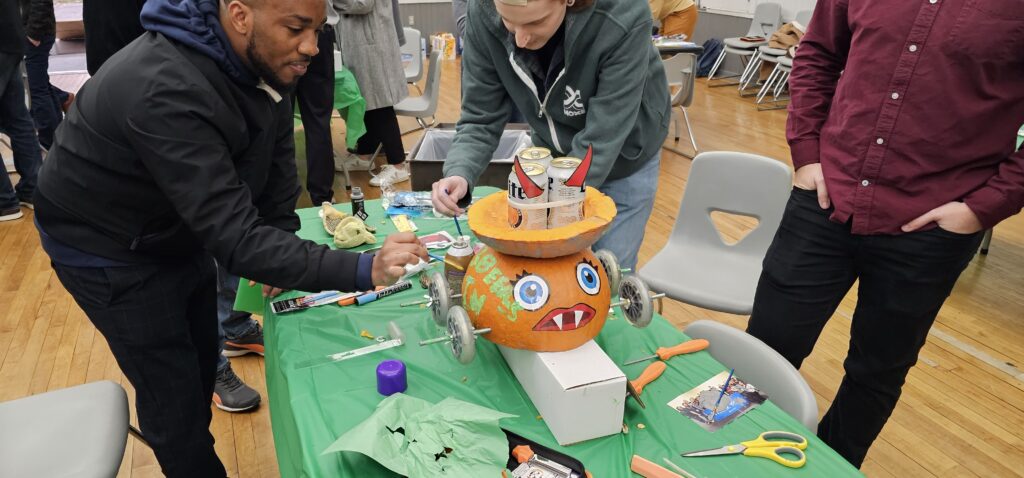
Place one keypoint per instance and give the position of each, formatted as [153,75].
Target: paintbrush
[720,395]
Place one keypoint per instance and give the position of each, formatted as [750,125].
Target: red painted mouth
[563,320]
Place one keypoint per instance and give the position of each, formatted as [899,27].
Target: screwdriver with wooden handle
[665,353]
[652,372]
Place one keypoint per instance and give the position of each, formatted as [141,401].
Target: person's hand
[810,178]
[268,290]
[954,217]
[32,41]
[398,250]
[446,194]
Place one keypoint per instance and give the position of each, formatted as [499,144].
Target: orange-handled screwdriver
[665,353]
[649,374]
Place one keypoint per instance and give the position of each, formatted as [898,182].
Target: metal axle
[448,338]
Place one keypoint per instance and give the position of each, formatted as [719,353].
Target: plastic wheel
[460,329]
[611,267]
[440,298]
[639,311]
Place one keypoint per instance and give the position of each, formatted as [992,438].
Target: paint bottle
[358,203]
[456,261]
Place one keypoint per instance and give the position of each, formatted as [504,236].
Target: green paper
[478,446]
[249,298]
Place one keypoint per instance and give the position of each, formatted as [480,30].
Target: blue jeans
[634,200]
[47,99]
[231,323]
[16,123]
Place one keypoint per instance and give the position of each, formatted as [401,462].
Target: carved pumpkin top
[488,219]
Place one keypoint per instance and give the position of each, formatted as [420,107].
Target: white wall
[745,8]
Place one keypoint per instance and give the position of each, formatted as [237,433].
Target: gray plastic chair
[679,71]
[411,50]
[767,19]
[425,105]
[696,266]
[79,431]
[757,364]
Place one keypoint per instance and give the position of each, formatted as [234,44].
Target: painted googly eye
[531,291]
[587,277]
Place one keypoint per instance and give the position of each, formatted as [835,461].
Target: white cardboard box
[580,393]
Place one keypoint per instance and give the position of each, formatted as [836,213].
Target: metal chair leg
[679,127]
[138,435]
[689,129]
[718,62]
[751,71]
[767,84]
[985,242]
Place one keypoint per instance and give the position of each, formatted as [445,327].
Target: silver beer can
[518,193]
[559,173]
[537,155]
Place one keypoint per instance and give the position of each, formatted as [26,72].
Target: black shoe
[10,213]
[231,394]
[251,343]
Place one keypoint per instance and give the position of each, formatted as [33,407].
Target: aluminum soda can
[517,194]
[537,155]
[559,172]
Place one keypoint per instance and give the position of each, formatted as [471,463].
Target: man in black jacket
[181,147]
[14,118]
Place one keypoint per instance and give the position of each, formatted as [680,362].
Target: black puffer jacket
[38,19]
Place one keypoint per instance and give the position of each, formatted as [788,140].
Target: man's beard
[264,70]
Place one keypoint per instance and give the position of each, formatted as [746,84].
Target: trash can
[426,160]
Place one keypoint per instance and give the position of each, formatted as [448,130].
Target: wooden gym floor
[961,414]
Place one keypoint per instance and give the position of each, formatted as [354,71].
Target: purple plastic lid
[391,377]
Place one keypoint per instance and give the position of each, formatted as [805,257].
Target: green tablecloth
[310,408]
[350,105]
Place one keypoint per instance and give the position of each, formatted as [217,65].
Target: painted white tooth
[579,317]
[558,321]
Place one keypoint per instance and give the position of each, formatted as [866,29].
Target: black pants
[382,127]
[315,96]
[904,279]
[161,324]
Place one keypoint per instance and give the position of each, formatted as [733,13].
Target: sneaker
[352,162]
[251,343]
[10,213]
[231,394]
[390,175]
[27,203]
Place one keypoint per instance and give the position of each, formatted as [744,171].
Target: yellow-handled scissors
[775,446]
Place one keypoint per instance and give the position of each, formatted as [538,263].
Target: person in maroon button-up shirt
[902,126]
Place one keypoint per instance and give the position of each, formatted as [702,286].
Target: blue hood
[196,24]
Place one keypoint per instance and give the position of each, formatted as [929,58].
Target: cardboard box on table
[580,393]
[426,159]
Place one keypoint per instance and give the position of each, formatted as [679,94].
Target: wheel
[639,311]
[611,267]
[460,329]
[440,298]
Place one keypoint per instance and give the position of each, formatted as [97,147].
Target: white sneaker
[352,162]
[389,175]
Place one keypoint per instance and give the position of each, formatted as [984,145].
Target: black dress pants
[904,279]
[382,128]
[160,321]
[315,97]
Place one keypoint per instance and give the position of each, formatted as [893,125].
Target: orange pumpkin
[544,305]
